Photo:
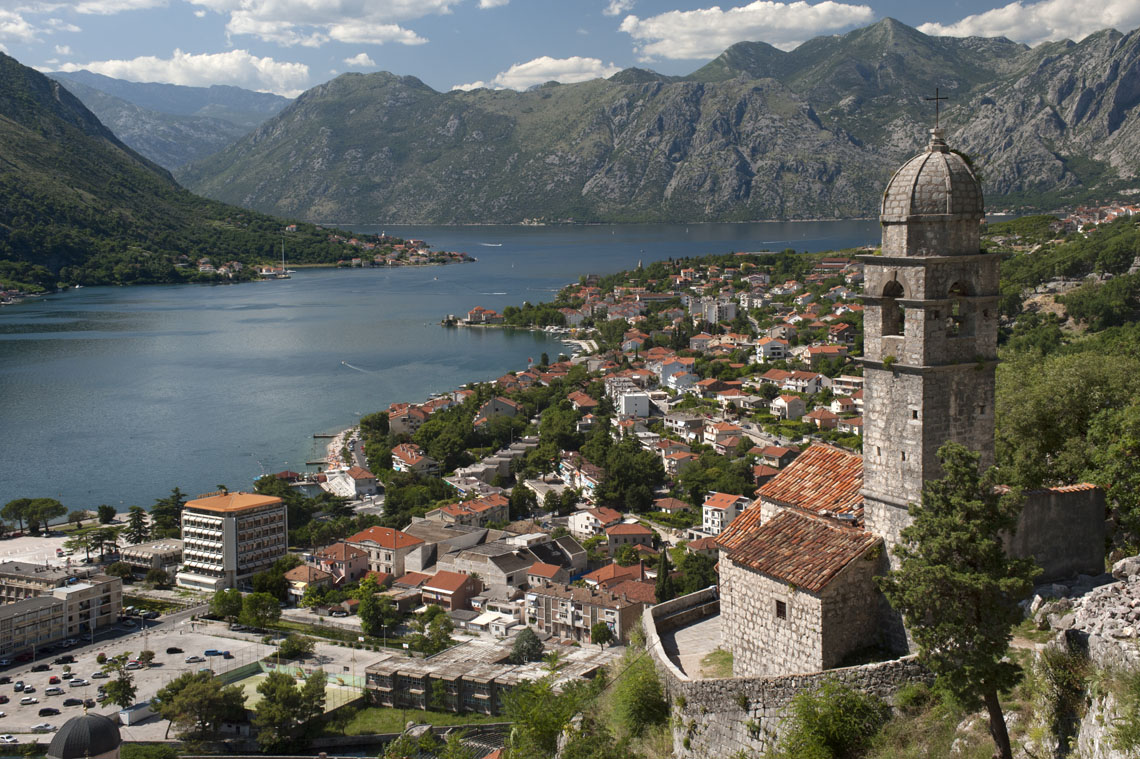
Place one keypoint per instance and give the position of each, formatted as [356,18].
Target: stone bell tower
[930,334]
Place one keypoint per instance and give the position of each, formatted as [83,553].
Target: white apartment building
[229,537]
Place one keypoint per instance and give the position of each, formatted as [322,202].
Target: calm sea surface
[117,394]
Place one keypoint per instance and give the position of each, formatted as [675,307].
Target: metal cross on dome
[936,98]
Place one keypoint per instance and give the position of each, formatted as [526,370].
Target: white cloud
[492,3]
[63,49]
[313,23]
[1047,20]
[59,25]
[200,14]
[110,7]
[236,67]
[13,26]
[706,32]
[361,60]
[618,7]
[546,69]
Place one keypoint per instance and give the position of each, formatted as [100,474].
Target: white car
[193,658]
[26,700]
[78,682]
[43,727]
[100,675]
[8,739]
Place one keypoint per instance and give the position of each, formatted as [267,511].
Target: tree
[697,572]
[957,589]
[41,511]
[295,646]
[166,515]
[627,556]
[226,604]
[137,530]
[106,539]
[195,703]
[106,514]
[313,695]
[601,634]
[664,591]
[16,510]
[146,657]
[259,610]
[527,647]
[76,517]
[121,687]
[377,614]
[276,720]
[121,569]
[79,542]
[158,578]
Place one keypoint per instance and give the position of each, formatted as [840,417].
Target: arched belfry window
[960,322]
[893,317]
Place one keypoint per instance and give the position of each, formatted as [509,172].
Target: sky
[288,46]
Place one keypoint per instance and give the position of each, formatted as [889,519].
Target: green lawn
[336,634]
[717,663]
[381,719]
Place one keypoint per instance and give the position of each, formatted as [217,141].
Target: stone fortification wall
[720,717]
[1063,529]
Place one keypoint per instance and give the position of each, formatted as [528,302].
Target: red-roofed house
[353,482]
[627,535]
[822,418]
[497,406]
[613,573]
[450,590]
[475,513]
[344,562]
[638,591]
[386,548]
[788,407]
[590,522]
[409,457]
[302,577]
[720,509]
[540,573]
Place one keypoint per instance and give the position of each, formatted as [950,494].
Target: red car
[53,680]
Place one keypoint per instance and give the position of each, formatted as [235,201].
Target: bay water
[118,394]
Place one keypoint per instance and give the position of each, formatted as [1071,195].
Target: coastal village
[704,484]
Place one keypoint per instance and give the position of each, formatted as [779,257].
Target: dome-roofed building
[933,205]
[91,736]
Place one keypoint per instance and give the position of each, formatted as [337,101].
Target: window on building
[959,323]
[781,610]
[893,316]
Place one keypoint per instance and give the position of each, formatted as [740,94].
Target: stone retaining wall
[723,716]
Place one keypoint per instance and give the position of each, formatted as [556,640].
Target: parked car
[29,689]
[3,699]
[5,680]
[150,615]
[65,659]
[100,675]
[54,690]
[193,658]
[49,711]
[26,656]
[71,642]
[5,662]
[43,727]
[53,680]
[26,700]
[78,682]
[19,686]
[174,650]
[8,739]
[41,668]
[339,614]
[89,703]
[212,652]
[227,655]
[73,702]
[128,624]
[133,664]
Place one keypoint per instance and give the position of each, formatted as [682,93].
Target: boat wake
[357,368]
[491,244]
[492,293]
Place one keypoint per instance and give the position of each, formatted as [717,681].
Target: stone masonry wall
[762,643]
[720,717]
[850,609]
[1063,531]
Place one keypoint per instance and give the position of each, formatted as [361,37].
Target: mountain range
[78,205]
[171,124]
[758,133]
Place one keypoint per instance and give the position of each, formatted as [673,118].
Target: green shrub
[1126,731]
[639,700]
[913,697]
[833,721]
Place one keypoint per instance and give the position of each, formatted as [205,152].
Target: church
[797,568]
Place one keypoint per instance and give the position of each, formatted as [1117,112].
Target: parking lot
[194,638]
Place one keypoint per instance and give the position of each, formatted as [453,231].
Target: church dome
[88,736]
[935,183]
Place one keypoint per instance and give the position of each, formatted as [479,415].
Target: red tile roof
[629,529]
[385,537]
[360,473]
[305,573]
[822,478]
[636,590]
[800,549]
[702,544]
[670,504]
[446,582]
[413,579]
[723,501]
[614,572]
[341,552]
[547,571]
[605,515]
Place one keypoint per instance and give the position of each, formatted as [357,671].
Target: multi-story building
[386,548]
[227,538]
[567,612]
[165,554]
[31,622]
[21,579]
[719,509]
[90,604]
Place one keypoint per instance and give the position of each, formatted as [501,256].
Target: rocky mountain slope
[756,134]
[171,124]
